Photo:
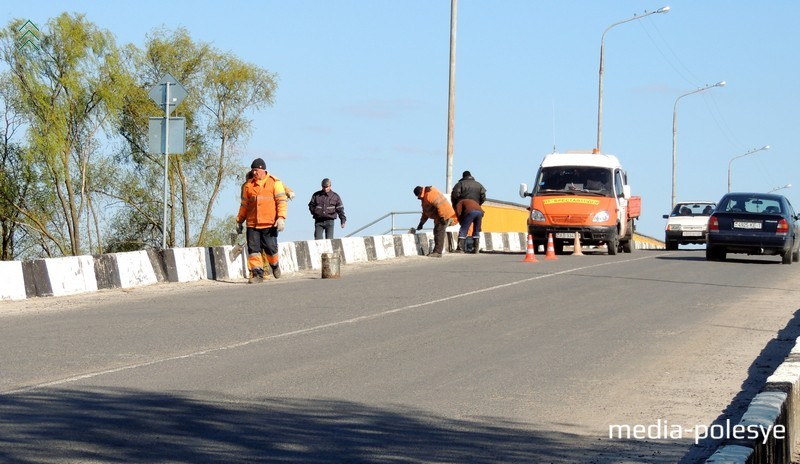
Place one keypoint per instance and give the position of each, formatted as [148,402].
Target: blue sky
[363,92]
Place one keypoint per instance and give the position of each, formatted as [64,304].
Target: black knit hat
[417,190]
[258,163]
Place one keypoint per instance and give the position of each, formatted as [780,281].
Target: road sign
[176,93]
[157,136]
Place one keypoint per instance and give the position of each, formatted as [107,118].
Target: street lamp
[780,188]
[600,87]
[765,147]
[675,129]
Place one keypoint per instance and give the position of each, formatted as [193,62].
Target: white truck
[584,193]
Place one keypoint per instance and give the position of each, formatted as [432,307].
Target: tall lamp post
[765,147]
[600,86]
[451,98]
[675,129]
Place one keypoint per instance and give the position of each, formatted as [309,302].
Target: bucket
[331,265]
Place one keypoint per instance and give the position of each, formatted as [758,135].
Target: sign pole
[166,164]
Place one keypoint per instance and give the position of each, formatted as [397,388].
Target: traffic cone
[530,256]
[577,247]
[551,250]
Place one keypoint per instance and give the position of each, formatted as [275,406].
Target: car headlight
[537,215]
[601,216]
[673,227]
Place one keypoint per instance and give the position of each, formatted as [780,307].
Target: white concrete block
[135,269]
[12,284]
[71,275]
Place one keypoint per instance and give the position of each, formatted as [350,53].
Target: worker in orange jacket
[435,206]
[264,208]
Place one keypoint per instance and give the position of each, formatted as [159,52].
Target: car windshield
[750,204]
[584,179]
[693,209]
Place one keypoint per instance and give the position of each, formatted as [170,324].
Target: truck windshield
[574,179]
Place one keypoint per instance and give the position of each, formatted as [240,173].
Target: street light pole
[600,86]
[451,96]
[675,129]
[780,188]
[765,147]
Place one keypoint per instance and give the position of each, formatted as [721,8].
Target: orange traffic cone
[551,250]
[577,247]
[530,257]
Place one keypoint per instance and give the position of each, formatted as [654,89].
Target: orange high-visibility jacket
[263,202]
[435,205]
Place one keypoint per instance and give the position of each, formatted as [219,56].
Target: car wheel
[796,255]
[786,258]
[715,253]
[671,245]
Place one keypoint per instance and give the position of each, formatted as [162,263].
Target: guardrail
[391,215]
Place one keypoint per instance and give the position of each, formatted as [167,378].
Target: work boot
[462,245]
[435,255]
[258,275]
[276,271]
[476,245]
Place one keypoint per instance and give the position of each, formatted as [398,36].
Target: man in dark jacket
[467,187]
[324,206]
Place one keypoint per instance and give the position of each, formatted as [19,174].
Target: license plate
[746,225]
[692,234]
[565,235]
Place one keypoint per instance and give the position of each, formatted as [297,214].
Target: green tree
[15,179]
[71,87]
[222,90]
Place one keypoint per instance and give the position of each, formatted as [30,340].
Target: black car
[755,224]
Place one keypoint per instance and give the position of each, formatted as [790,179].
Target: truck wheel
[558,247]
[613,244]
[627,246]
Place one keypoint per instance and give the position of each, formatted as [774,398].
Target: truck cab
[585,194]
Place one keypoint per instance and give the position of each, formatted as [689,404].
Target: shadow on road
[113,425]
[773,354]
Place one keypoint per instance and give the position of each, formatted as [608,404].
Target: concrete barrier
[59,276]
[12,285]
[776,409]
[70,275]
[124,270]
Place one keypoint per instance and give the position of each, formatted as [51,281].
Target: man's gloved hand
[239,228]
[290,195]
[412,231]
[280,224]
[449,222]
[343,225]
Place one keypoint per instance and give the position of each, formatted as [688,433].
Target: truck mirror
[523,190]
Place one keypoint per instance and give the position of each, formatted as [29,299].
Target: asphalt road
[464,359]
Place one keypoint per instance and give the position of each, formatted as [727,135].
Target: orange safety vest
[436,206]
[263,202]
